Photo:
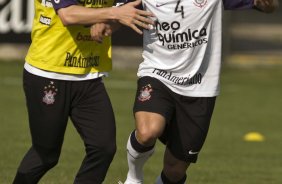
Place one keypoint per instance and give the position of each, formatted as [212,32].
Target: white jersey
[183,50]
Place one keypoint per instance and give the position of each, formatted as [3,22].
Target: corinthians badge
[50,91]
[145,93]
[200,3]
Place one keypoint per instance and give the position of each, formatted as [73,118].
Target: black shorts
[188,118]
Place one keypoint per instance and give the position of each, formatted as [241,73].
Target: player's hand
[132,17]
[99,30]
[267,6]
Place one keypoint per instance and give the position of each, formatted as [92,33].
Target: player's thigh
[152,107]
[149,123]
[47,106]
[92,114]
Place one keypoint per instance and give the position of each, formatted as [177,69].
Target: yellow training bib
[69,49]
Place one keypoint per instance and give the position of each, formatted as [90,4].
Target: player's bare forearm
[267,6]
[127,15]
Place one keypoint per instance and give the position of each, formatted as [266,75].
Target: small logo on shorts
[50,92]
[193,152]
[145,93]
[200,3]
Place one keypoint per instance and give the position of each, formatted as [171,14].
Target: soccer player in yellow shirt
[63,78]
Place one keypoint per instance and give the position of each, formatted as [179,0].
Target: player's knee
[51,163]
[146,137]
[50,160]
[48,156]
[174,173]
[109,150]
[175,170]
[149,127]
[105,152]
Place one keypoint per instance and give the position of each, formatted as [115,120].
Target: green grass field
[250,100]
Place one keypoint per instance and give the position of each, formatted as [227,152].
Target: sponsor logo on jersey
[171,35]
[45,20]
[47,3]
[145,93]
[179,80]
[50,92]
[81,61]
[200,3]
[93,3]
[84,37]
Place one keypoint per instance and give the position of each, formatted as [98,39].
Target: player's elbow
[67,16]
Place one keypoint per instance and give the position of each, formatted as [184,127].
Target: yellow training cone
[254,137]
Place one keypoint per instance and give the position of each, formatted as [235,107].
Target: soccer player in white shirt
[178,82]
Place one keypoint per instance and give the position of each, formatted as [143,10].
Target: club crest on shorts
[200,3]
[145,93]
[50,92]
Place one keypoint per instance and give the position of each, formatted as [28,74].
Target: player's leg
[174,171]
[149,126]
[140,145]
[188,132]
[151,111]
[93,117]
[48,115]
